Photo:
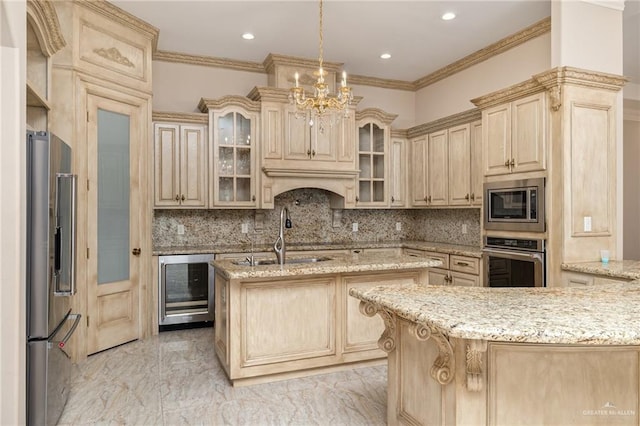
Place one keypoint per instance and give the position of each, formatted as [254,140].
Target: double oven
[513,213]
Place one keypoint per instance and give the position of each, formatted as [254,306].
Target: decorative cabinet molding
[180,158]
[374,134]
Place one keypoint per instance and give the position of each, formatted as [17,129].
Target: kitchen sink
[260,262]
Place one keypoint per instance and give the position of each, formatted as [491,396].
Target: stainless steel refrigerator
[51,236]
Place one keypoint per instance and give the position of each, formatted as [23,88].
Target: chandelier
[322,101]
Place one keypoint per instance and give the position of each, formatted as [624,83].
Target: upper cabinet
[374,135]
[444,162]
[233,142]
[398,172]
[514,136]
[180,159]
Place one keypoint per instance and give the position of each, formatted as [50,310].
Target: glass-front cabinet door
[372,162]
[234,159]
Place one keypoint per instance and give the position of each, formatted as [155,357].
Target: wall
[451,95]
[13,73]
[312,223]
[399,102]
[631,237]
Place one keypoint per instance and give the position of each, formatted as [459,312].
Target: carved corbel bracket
[474,354]
[555,96]
[444,365]
[386,342]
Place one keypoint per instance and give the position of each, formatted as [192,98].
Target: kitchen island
[505,356]
[274,322]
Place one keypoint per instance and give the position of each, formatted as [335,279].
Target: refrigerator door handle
[72,236]
[65,339]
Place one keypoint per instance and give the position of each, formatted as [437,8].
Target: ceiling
[355,32]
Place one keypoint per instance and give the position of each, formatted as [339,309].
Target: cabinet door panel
[437,276]
[324,141]
[438,167]
[476,164]
[527,142]
[398,173]
[297,137]
[459,165]
[167,165]
[496,139]
[464,280]
[419,171]
[193,166]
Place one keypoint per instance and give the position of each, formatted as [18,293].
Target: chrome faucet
[279,246]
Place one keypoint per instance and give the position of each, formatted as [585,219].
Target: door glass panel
[225,129]
[226,161]
[243,164]
[378,139]
[243,130]
[243,187]
[113,197]
[364,138]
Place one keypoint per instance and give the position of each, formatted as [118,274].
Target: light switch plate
[398,226]
[180,229]
[464,228]
[354,227]
[587,224]
[245,228]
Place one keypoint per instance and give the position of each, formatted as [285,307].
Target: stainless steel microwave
[516,205]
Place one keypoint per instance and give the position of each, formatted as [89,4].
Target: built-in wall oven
[186,289]
[514,262]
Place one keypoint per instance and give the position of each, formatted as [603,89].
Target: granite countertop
[592,315]
[339,263]
[461,250]
[627,269]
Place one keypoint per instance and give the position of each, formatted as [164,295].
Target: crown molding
[124,18]
[273,59]
[508,94]
[399,133]
[207,61]
[444,123]
[385,83]
[43,17]
[181,117]
[580,77]
[205,105]
[509,42]
[269,94]
[376,114]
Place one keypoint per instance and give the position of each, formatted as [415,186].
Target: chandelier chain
[321,38]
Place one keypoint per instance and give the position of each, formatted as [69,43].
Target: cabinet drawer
[464,280]
[444,258]
[571,279]
[469,265]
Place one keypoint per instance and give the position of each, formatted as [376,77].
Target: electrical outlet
[180,229]
[464,228]
[398,226]
[354,226]
[587,224]
[245,228]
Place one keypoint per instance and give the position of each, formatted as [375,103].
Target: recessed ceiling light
[448,16]
[248,36]
[385,56]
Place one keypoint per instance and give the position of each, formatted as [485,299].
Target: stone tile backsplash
[312,220]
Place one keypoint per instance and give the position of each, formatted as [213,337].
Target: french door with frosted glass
[112,223]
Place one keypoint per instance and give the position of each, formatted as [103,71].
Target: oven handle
[513,255]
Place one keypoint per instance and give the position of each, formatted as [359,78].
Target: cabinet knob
[466,197]
[182,198]
[136,251]
[178,197]
[506,163]
[357,198]
[253,198]
[393,199]
[309,153]
[429,198]
[425,198]
[513,162]
[473,196]
[313,153]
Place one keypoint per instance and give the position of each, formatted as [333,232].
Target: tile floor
[175,379]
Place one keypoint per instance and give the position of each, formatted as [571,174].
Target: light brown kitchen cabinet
[477,174]
[180,171]
[398,172]
[455,269]
[459,155]
[514,136]
[429,161]
[419,168]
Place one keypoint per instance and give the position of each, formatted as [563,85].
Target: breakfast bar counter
[565,356]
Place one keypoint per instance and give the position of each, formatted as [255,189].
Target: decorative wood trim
[443,367]
[310,173]
[517,91]
[444,123]
[386,342]
[385,83]
[43,17]
[474,352]
[272,60]
[113,12]
[208,61]
[580,77]
[269,94]
[509,42]
[377,114]
[180,117]
[113,54]
[205,105]
[399,133]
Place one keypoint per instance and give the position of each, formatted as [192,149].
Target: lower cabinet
[455,270]
[577,279]
[283,327]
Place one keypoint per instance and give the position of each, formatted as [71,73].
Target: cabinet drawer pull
[462,263]
[513,162]
[435,258]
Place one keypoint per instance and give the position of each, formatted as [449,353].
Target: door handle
[136,251]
